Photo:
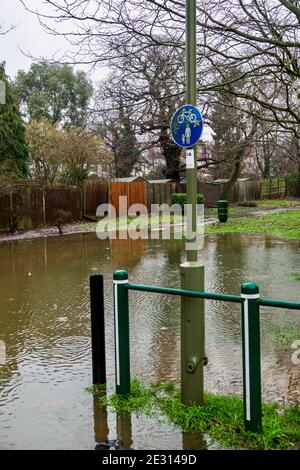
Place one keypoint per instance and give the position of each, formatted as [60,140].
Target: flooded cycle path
[45,327]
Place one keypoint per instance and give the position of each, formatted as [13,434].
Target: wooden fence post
[44,208]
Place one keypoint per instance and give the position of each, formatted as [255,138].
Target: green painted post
[191,98]
[121,317]
[193,356]
[251,357]
[192,272]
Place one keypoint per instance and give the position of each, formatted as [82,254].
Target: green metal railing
[250,309]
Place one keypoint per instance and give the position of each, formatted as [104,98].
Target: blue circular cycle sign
[186,126]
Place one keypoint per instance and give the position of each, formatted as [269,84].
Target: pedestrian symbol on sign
[186,126]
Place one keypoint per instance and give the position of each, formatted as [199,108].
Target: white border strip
[125,281]
[247,368]
[247,352]
[2,353]
[117,332]
[250,296]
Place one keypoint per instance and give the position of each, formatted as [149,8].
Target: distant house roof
[169,180]
[130,179]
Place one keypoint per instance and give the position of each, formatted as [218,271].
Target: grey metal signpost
[192,272]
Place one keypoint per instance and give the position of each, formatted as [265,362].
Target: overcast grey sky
[28,36]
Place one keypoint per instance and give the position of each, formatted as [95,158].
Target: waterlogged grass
[134,222]
[283,225]
[286,335]
[220,417]
[212,213]
[277,203]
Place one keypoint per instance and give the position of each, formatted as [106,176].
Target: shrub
[181,199]
[293,184]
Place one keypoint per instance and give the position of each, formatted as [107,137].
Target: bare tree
[143,92]
[260,39]
[4,29]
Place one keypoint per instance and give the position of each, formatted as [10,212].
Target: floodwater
[45,333]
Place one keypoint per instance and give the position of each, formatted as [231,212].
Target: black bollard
[222,211]
[98,329]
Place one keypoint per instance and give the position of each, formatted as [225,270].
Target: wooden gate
[136,193]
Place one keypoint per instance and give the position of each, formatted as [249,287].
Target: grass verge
[221,417]
[283,225]
[277,203]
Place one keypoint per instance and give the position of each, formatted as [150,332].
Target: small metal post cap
[249,288]
[121,275]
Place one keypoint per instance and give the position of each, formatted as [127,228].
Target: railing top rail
[279,304]
[185,293]
[212,296]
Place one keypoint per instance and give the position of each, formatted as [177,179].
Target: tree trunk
[267,167]
[234,177]
[171,154]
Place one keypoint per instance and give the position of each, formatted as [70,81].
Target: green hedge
[180,198]
[293,184]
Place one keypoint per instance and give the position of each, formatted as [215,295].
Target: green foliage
[282,224]
[55,93]
[221,417]
[46,150]
[65,155]
[13,148]
[181,199]
[293,184]
[287,334]
[95,389]
[277,203]
[82,152]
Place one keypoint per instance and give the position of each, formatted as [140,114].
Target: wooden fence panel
[21,208]
[4,213]
[273,188]
[211,192]
[160,193]
[94,194]
[253,190]
[282,187]
[157,194]
[62,203]
[244,190]
[36,209]
[150,195]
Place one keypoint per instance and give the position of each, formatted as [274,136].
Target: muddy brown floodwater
[45,332]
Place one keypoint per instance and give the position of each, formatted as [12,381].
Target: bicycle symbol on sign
[186,126]
[188,116]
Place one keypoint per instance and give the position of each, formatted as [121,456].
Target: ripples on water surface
[45,325]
